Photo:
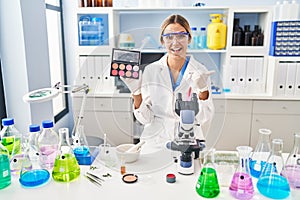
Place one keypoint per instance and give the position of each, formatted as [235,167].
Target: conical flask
[241,184]
[21,160]
[261,152]
[270,183]
[80,145]
[5,176]
[65,167]
[207,185]
[34,177]
[292,165]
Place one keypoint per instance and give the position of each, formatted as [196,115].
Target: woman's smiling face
[178,45]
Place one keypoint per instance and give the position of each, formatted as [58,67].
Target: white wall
[25,61]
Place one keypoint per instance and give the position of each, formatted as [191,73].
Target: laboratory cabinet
[246,74]
[107,114]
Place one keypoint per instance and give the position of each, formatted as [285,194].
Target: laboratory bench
[151,169]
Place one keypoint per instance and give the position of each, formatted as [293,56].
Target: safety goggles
[180,37]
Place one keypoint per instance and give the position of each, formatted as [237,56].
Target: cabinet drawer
[104,104]
[232,106]
[276,107]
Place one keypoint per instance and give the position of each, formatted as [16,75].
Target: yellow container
[216,32]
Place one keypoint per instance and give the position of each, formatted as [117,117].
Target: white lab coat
[157,111]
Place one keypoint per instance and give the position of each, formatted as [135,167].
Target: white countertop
[151,170]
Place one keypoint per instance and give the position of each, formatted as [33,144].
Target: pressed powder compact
[125,63]
[130,178]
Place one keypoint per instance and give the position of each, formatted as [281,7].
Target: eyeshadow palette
[125,63]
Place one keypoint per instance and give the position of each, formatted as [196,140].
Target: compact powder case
[125,63]
[130,178]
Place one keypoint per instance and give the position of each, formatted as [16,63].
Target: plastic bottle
[270,183]
[202,38]
[194,44]
[292,165]
[47,144]
[66,167]
[238,34]
[216,33]
[5,177]
[11,137]
[262,151]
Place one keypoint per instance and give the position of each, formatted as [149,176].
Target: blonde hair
[173,19]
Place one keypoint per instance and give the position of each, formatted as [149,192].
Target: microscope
[185,140]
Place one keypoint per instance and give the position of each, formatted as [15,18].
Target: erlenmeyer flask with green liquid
[208,185]
[65,167]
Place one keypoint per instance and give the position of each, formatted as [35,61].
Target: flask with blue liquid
[271,183]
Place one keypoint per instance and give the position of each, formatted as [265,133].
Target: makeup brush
[135,147]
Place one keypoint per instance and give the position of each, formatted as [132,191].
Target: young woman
[176,72]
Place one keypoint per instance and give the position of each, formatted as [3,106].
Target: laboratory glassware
[65,167]
[11,137]
[207,185]
[34,132]
[270,183]
[47,144]
[34,176]
[261,152]
[292,165]
[5,176]
[241,184]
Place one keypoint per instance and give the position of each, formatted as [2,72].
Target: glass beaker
[270,183]
[5,176]
[207,185]
[292,165]
[261,152]
[241,184]
[65,167]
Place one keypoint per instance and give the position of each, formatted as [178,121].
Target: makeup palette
[125,63]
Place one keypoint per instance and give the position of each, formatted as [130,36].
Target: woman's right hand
[134,85]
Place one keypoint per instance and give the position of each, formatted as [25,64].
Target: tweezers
[94,179]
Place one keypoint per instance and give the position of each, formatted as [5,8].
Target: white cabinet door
[231,124]
[281,117]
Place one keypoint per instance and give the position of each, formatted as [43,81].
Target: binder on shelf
[91,72]
[290,78]
[241,72]
[98,73]
[297,82]
[280,81]
[259,83]
[233,69]
[82,70]
[250,75]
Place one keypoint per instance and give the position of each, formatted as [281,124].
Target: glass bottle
[241,184]
[261,152]
[248,35]
[237,39]
[292,165]
[207,185]
[47,144]
[194,43]
[65,167]
[270,183]
[5,176]
[34,176]
[11,137]
[34,132]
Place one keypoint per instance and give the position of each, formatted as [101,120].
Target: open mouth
[176,50]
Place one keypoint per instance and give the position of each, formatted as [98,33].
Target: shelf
[254,97]
[188,51]
[248,50]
